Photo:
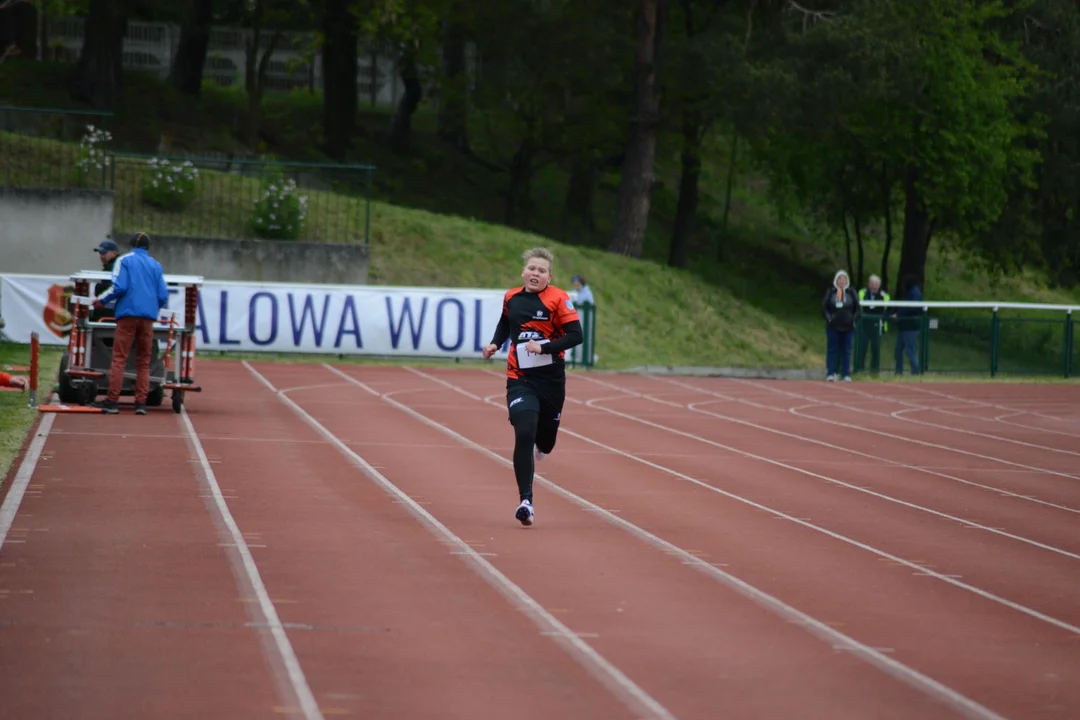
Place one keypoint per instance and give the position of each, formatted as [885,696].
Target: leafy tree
[922,99]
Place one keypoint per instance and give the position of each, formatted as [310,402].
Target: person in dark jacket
[840,306]
[108,251]
[909,322]
[140,292]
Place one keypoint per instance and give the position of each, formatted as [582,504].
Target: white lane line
[826,478]
[923,683]
[1014,411]
[895,436]
[613,678]
[923,469]
[22,476]
[295,673]
[944,577]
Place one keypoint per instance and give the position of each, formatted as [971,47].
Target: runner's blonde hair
[539,252]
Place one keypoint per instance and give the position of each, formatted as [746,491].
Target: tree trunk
[519,189]
[689,190]
[255,66]
[187,69]
[847,246]
[581,191]
[635,189]
[453,105]
[97,76]
[859,250]
[401,125]
[917,230]
[886,196]
[340,94]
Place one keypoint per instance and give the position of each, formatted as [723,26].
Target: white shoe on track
[525,513]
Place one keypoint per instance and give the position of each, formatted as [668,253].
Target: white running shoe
[830,378]
[525,513]
[537,454]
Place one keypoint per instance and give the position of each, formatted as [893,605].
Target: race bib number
[525,359]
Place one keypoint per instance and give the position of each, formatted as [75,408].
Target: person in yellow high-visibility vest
[872,325]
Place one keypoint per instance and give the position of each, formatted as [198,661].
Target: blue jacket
[138,286]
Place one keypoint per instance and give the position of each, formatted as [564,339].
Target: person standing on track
[541,323]
[140,292]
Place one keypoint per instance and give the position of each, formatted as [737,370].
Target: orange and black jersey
[548,315]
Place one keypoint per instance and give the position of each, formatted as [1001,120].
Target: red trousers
[141,330]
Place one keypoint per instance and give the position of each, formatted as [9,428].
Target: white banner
[285,317]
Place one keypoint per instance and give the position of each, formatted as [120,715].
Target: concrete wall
[52,231]
[261,260]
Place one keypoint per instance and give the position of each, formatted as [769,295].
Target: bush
[280,213]
[169,187]
[92,157]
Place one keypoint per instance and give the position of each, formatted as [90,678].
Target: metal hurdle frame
[179,339]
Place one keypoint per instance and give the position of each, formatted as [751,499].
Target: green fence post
[1068,342]
[367,208]
[995,325]
[924,346]
[855,347]
[588,329]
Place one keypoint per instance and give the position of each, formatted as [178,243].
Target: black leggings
[529,431]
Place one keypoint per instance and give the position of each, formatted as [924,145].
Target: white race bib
[525,359]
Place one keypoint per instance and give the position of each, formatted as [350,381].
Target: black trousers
[535,410]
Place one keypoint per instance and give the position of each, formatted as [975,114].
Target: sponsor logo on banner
[56,314]
[281,317]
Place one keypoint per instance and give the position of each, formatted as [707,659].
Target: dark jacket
[99,289]
[840,317]
[910,317]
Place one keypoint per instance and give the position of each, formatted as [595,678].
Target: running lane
[685,636]
[116,597]
[999,655]
[385,619]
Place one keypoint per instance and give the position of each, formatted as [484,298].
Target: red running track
[319,541]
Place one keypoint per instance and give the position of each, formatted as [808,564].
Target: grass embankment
[15,416]
[751,297]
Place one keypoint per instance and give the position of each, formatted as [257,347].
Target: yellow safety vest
[885,297]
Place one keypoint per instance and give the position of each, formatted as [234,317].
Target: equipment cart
[85,366]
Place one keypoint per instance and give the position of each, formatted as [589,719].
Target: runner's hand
[534,347]
[489,350]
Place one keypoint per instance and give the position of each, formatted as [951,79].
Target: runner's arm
[502,331]
[572,338]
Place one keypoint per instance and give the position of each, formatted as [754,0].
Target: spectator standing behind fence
[582,293]
[138,286]
[908,324]
[841,310]
[872,324]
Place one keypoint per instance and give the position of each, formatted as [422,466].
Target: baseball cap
[105,246]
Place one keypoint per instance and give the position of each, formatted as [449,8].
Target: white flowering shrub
[169,186]
[92,159]
[280,211]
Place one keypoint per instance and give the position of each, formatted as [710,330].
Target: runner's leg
[524,407]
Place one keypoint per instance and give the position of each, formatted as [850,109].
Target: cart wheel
[155,397]
[87,393]
[177,400]
[68,393]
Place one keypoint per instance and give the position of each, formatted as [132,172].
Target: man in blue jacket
[139,290]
